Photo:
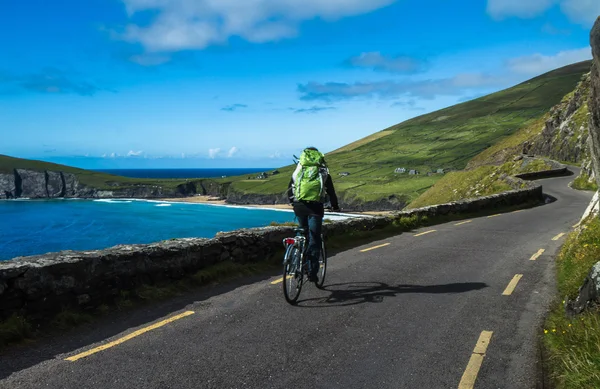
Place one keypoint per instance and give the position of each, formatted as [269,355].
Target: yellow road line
[468,221]
[426,232]
[537,255]
[518,210]
[498,214]
[376,247]
[470,375]
[512,285]
[557,237]
[128,337]
[277,281]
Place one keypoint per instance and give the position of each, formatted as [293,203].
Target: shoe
[313,278]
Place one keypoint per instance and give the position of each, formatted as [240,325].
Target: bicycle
[295,266]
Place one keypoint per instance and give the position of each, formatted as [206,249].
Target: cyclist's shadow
[353,293]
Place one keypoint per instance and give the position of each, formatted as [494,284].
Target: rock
[71,185]
[83,299]
[594,102]
[589,293]
[33,184]
[54,185]
[7,186]
[565,134]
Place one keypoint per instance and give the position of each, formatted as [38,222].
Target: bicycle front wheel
[292,275]
[322,266]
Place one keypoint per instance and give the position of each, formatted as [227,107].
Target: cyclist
[307,192]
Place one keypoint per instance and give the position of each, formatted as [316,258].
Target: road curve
[405,315]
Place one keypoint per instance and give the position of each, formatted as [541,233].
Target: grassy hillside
[447,139]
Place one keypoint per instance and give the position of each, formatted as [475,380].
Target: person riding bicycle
[307,192]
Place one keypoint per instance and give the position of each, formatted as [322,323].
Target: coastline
[218,201]
[210,200]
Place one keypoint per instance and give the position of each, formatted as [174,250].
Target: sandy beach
[218,201]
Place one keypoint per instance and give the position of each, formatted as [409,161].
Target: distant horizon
[177,173]
[191,168]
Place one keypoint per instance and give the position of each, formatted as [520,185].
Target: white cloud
[276,155]
[212,153]
[232,151]
[132,153]
[376,61]
[579,11]
[197,24]
[538,63]
[114,155]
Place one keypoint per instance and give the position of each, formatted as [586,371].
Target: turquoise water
[32,227]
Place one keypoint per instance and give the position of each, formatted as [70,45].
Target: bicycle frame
[298,241]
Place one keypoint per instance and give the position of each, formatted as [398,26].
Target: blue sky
[225,83]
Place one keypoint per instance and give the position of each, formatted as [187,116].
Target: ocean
[183,173]
[30,227]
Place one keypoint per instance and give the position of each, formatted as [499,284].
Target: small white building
[414,172]
[344,174]
[400,170]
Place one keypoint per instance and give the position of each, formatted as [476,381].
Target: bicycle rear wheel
[292,275]
[322,266]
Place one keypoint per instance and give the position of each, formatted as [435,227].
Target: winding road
[457,305]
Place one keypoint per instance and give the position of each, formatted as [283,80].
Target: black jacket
[313,207]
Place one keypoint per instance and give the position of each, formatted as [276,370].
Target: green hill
[88,178]
[445,139]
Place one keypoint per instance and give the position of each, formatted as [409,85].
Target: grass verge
[573,344]
[583,183]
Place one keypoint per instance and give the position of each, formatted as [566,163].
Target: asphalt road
[405,315]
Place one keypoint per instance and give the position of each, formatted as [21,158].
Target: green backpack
[310,176]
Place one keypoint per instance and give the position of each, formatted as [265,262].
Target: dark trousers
[312,225]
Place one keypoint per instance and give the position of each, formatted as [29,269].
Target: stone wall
[563,171]
[41,286]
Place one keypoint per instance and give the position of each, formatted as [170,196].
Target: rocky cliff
[24,183]
[594,101]
[564,136]
[36,184]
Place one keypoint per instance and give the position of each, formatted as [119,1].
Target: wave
[113,201]
[163,205]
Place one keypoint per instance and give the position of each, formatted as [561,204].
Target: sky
[227,83]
